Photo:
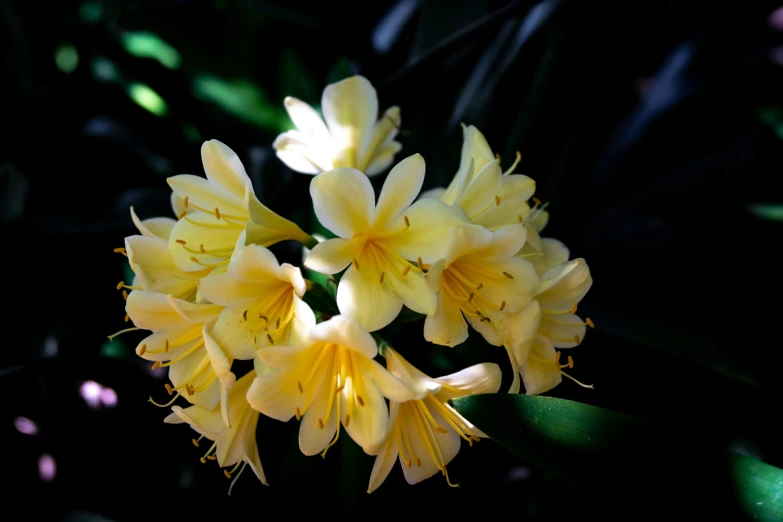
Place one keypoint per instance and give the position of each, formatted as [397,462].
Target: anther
[181,241]
[418,461]
[127,318]
[508,275]
[182,214]
[502,305]
[536,200]
[519,217]
[298,413]
[120,284]
[122,250]
[143,349]
[360,400]
[203,460]
[497,200]
[269,338]
[485,319]
[194,259]
[576,339]
[201,247]
[440,430]
[470,297]
[480,286]
[407,221]
[573,308]
[170,391]
[225,471]
[217,213]
[185,202]
[355,264]
[211,457]
[166,347]
[420,262]
[382,276]
[277,324]
[265,318]
[244,315]
[125,294]
[570,362]
[320,424]
[347,420]
[299,384]
[406,270]
[590,322]
[195,442]
[497,156]
[155,365]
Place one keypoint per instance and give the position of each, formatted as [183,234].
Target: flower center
[459,282]
[382,262]
[230,223]
[272,317]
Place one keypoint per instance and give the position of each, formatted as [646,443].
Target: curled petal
[564,285]
[224,168]
[343,200]
[345,331]
[331,256]
[473,380]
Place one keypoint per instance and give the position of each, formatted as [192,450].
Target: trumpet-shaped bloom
[490,198]
[262,301]
[233,444]
[479,280]
[550,322]
[216,211]
[351,137]
[181,340]
[547,255]
[425,432]
[151,261]
[378,240]
[330,381]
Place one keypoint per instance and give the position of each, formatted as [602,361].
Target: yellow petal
[537,379]
[473,380]
[150,260]
[159,227]
[417,382]
[390,386]
[206,422]
[314,435]
[368,424]
[385,460]
[221,364]
[306,119]
[304,321]
[465,239]
[331,256]
[345,331]
[178,204]
[220,239]
[562,329]
[523,329]
[153,311]
[350,109]
[201,193]
[414,291]
[287,356]
[267,227]
[343,200]
[431,221]
[224,168]
[564,285]
[231,334]
[448,443]
[383,157]
[384,132]
[275,395]
[447,327]
[506,241]
[400,189]
[182,371]
[357,288]
[251,456]
[553,253]
[515,383]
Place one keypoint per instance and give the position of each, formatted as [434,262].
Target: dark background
[653,130]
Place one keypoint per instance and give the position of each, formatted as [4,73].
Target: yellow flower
[329,381]
[549,253]
[378,240]
[490,198]
[262,301]
[481,280]
[151,261]
[425,432]
[352,136]
[549,322]
[216,211]
[181,340]
[234,444]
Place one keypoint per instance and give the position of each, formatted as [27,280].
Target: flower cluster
[467,256]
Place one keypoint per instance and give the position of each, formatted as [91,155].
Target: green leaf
[627,460]
[320,300]
[771,212]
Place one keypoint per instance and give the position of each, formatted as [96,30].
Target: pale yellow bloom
[549,322]
[488,196]
[234,444]
[425,432]
[378,240]
[262,300]
[351,137]
[331,380]
[549,253]
[217,209]
[151,261]
[181,340]
[479,279]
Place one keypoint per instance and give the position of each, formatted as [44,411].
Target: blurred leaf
[771,212]
[627,460]
[340,71]
[773,117]
[145,97]
[148,45]
[243,100]
[114,349]
[319,299]
[294,78]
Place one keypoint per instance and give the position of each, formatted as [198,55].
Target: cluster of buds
[469,256]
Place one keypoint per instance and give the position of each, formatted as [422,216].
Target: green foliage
[626,460]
